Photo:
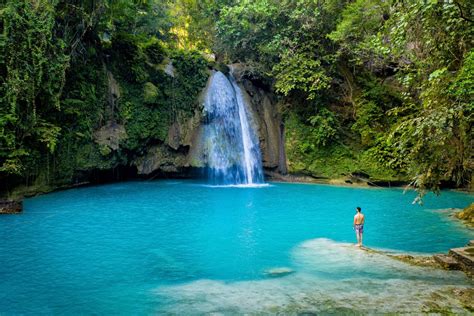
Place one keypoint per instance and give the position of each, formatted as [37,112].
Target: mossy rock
[467,215]
[150,92]
[219,67]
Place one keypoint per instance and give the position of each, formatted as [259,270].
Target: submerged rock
[278,272]
[329,275]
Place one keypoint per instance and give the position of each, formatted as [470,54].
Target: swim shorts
[359,228]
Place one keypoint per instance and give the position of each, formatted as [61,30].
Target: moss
[222,68]
[150,92]
[105,150]
[332,161]
[467,215]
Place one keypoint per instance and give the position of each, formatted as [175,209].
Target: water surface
[184,247]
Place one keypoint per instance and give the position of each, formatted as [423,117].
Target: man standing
[359,226]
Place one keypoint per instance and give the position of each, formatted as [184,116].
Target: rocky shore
[457,259]
[355,179]
[10,207]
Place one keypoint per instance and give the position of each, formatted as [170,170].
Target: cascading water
[232,147]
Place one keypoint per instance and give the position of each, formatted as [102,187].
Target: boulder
[465,257]
[447,262]
[110,135]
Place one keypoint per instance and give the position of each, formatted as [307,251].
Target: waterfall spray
[232,147]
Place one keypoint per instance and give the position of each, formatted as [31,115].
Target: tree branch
[462,13]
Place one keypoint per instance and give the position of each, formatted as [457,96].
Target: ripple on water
[147,246]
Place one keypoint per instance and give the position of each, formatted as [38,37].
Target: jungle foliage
[384,87]
[393,80]
[60,61]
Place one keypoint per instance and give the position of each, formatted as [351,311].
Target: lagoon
[184,247]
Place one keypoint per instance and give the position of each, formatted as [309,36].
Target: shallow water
[184,247]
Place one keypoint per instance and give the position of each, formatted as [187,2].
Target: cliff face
[127,143]
[184,146]
[177,153]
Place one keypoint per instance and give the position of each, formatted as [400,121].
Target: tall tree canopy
[382,85]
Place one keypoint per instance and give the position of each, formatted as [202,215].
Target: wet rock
[10,207]
[183,132]
[113,92]
[465,258]
[222,68]
[388,183]
[423,261]
[169,69]
[447,262]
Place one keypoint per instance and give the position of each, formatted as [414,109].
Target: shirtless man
[359,226]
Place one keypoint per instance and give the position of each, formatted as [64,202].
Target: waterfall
[231,143]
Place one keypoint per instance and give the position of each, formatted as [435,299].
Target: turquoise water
[184,247]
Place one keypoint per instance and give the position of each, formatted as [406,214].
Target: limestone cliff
[184,146]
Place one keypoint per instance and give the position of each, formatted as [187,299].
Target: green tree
[32,67]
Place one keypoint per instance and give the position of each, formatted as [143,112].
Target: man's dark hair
[358,209]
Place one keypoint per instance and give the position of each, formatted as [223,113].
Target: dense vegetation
[384,87]
[83,86]
[380,86]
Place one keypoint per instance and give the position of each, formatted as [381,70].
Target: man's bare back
[358,219]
